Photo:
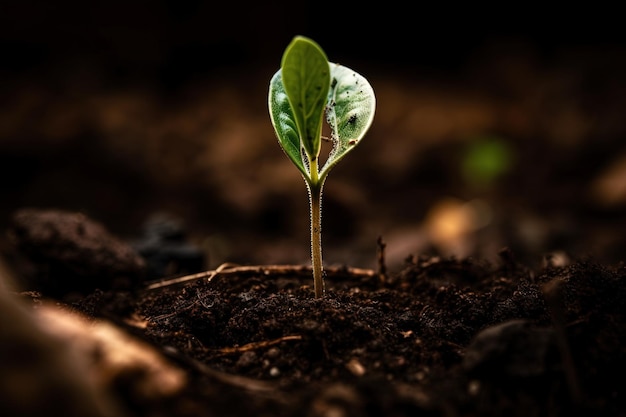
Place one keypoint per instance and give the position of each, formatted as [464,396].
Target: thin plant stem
[315,200]
[314,185]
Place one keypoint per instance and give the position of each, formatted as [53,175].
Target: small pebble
[274,371]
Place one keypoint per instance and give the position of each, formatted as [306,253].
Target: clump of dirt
[66,252]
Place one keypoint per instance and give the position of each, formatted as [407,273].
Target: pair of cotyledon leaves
[308,88]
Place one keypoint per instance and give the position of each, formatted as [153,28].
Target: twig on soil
[274,270]
[380,257]
[256,345]
[265,388]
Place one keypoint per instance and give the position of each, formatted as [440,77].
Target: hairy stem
[316,241]
[315,200]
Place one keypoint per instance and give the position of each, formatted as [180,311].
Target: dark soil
[441,337]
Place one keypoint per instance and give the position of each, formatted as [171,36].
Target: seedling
[303,91]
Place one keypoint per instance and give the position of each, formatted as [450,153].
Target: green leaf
[348,102]
[350,108]
[306,79]
[284,123]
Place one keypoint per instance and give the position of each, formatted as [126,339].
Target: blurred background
[494,127]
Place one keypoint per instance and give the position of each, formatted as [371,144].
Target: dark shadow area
[123,109]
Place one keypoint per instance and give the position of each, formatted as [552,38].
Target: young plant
[303,91]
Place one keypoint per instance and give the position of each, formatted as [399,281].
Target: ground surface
[453,338]
[441,337]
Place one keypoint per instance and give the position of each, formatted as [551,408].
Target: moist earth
[440,337]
